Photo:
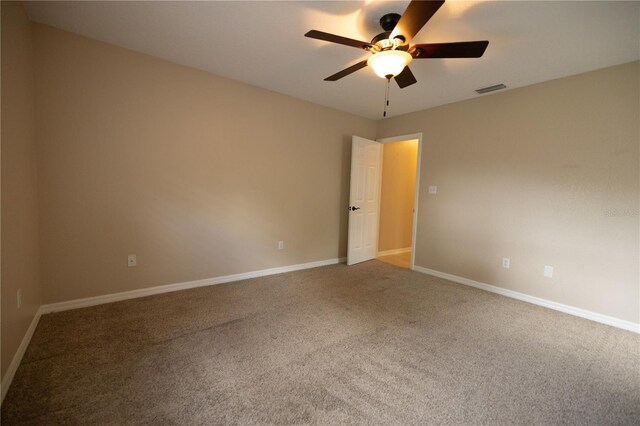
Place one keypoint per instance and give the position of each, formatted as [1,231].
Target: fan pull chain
[386,97]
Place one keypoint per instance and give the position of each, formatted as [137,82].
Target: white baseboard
[394,251]
[150,291]
[17,358]
[583,313]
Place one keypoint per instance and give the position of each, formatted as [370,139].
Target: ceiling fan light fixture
[389,63]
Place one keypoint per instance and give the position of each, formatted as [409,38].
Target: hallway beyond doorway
[402,260]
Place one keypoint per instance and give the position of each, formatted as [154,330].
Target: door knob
[353,209]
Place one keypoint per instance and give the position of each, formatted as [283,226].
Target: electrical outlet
[506,263]
[280,245]
[548,271]
[19,298]
[131,260]
[433,189]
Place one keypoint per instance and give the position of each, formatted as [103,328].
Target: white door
[364,200]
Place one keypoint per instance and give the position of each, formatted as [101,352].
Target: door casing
[416,196]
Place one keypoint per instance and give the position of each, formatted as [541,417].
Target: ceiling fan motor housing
[383,41]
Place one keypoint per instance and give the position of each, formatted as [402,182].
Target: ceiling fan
[390,50]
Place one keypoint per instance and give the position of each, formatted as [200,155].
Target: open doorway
[398,201]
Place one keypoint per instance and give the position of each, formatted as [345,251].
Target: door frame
[416,196]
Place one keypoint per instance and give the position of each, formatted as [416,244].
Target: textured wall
[545,175]
[397,195]
[197,175]
[19,181]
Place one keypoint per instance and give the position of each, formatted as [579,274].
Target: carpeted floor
[370,343]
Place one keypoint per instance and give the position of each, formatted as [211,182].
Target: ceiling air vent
[491,88]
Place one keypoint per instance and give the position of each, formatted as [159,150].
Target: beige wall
[546,175]
[397,194]
[200,176]
[197,175]
[19,182]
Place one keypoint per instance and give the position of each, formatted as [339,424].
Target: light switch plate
[131,260]
[433,189]
[548,271]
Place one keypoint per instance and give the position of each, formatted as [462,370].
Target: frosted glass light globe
[389,62]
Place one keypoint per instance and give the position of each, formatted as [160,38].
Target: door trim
[416,196]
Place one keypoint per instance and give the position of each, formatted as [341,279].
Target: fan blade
[345,72]
[337,39]
[417,14]
[405,78]
[463,49]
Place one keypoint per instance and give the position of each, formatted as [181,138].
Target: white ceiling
[263,44]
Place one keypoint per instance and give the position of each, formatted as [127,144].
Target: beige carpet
[371,343]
